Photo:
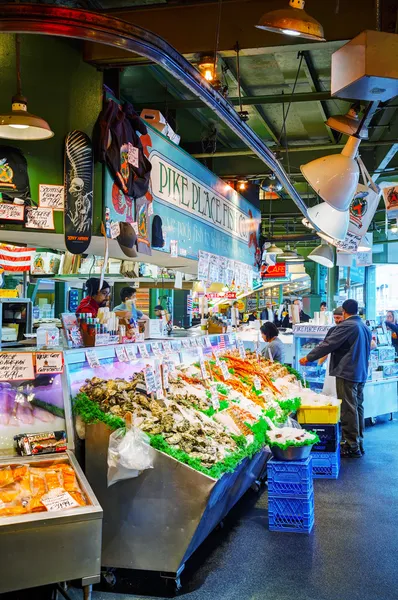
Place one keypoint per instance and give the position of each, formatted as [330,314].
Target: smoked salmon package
[27,489]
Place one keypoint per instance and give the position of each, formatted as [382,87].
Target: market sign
[277,271]
[198,210]
[225,295]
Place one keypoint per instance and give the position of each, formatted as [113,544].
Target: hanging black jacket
[115,133]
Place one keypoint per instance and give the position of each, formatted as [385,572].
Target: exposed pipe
[105,29]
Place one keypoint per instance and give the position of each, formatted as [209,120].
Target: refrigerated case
[43,543]
[306,338]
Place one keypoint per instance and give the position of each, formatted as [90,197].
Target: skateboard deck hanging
[78,180]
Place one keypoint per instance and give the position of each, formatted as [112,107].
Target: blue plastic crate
[326,465]
[290,478]
[289,514]
[329,436]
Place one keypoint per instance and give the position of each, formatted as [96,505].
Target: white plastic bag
[129,453]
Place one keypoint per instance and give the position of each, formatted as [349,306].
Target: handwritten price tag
[58,499]
[185,343]
[49,362]
[12,212]
[143,351]
[51,196]
[242,351]
[156,349]
[149,380]
[115,229]
[167,347]
[214,399]
[207,342]
[194,343]
[224,370]
[166,383]
[121,354]
[203,369]
[217,353]
[257,383]
[16,366]
[39,218]
[133,156]
[131,352]
[92,358]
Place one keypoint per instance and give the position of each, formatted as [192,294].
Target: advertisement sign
[390,195]
[198,210]
[276,271]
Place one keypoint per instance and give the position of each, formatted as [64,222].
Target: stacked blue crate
[290,496]
[325,454]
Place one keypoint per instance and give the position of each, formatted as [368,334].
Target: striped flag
[15,258]
[189,304]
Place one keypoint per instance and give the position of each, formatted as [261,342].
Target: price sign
[214,399]
[224,370]
[166,383]
[115,229]
[92,358]
[156,349]
[185,343]
[203,369]
[194,343]
[232,339]
[242,351]
[58,499]
[121,354]
[49,362]
[51,196]
[171,367]
[207,341]
[217,353]
[131,352]
[143,351]
[158,381]
[149,380]
[133,156]
[139,337]
[257,383]
[16,366]
[167,347]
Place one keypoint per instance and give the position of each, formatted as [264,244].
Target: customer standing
[349,346]
[392,323]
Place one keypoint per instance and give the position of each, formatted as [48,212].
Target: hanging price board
[92,358]
[143,351]
[224,370]
[121,354]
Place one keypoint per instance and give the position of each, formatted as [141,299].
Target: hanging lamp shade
[335,177]
[292,20]
[334,223]
[271,184]
[324,255]
[273,249]
[348,124]
[19,124]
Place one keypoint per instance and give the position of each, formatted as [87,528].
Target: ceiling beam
[290,149]
[316,86]
[246,100]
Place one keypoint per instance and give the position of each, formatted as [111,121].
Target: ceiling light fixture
[20,124]
[242,184]
[292,21]
[348,124]
[273,249]
[334,223]
[335,177]
[207,67]
[394,228]
[271,184]
[323,255]
[366,243]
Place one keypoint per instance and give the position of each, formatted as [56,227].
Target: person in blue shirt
[128,293]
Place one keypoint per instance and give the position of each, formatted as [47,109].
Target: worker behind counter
[274,349]
[304,318]
[128,308]
[96,297]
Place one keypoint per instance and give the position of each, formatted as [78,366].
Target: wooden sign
[51,196]
[39,218]
[16,366]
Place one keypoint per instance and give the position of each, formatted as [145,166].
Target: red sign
[226,295]
[273,271]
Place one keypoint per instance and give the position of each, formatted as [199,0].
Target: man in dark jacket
[349,346]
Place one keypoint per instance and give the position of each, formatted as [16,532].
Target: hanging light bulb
[207,68]
[348,124]
[334,223]
[273,249]
[271,184]
[19,124]
[242,184]
[292,21]
[335,177]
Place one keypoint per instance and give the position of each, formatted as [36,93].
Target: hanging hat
[127,239]
[157,232]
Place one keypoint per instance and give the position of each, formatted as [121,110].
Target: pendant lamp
[271,184]
[20,124]
[292,21]
[323,255]
[334,223]
[335,177]
[273,249]
[348,124]
[366,243]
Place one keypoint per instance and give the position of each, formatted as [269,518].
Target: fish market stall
[252,338]
[206,441]
[50,520]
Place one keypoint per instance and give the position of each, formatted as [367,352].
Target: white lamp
[335,177]
[323,254]
[273,249]
[366,243]
[292,21]
[334,223]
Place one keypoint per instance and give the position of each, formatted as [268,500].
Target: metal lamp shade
[292,21]
[22,125]
[347,124]
[335,178]
[324,255]
[273,249]
[334,223]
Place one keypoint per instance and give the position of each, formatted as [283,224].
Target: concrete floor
[351,555]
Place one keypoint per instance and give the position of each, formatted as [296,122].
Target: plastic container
[47,336]
[326,465]
[290,514]
[293,478]
[329,437]
[319,414]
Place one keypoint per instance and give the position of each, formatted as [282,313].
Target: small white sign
[143,351]
[135,227]
[58,499]
[167,347]
[214,398]
[16,366]
[150,209]
[224,370]
[121,354]
[156,349]
[174,248]
[257,383]
[149,380]
[166,383]
[131,352]
[92,358]
[49,362]
[207,341]
[51,196]
[115,229]
[39,218]
[12,212]
[133,156]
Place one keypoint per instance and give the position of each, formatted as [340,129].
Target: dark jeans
[352,412]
